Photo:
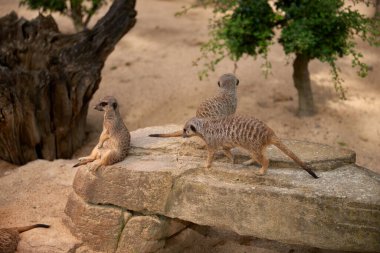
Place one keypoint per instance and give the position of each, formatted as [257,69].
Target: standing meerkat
[239,131]
[9,237]
[114,141]
[221,105]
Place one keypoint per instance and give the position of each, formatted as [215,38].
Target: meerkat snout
[100,106]
[189,130]
[107,101]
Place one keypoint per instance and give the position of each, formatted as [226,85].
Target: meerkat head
[192,127]
[228,82]
[106,103]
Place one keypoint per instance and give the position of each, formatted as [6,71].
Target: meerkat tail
[26,228]
[174,134]
[295,158]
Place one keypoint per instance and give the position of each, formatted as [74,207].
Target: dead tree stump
[47,80]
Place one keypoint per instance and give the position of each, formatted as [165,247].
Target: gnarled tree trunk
[76,15]
[47,80]
[301,78]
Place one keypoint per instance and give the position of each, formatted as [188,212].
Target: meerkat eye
[218,83]
[193,128]
[237,82]
[114,105]
[103,104]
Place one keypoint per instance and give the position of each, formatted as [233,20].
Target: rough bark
[301,78]
[47,80]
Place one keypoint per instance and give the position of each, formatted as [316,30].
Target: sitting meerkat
[9,237]
[223,104]
[114,141]
[239,131]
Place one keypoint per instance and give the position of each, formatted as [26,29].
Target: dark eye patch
[103,104]
[237,82]
[193,128]
[218,83]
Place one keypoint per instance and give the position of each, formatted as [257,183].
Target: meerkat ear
[114,105]
[218,83]
[192,127]
[237,82]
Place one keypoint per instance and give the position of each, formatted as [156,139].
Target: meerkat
[246,132]
[223,104]
[114,141]
[9,237]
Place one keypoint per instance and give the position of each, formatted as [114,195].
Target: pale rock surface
[166,177]
[97,225]
[148,233]
[37,193]
[108,228]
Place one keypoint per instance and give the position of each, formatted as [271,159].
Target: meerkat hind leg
[261,159]
[249,162]
[108,158]
[210,157]
[92,157]
[87,159]
[227,152]
[252,161]
[264,164]
[99,162]
[95,166]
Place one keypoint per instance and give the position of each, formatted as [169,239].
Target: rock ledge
[162,187]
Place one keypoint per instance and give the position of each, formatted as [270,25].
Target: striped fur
[221,105]
[239,131]
[224,103]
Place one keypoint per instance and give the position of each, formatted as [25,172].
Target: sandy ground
[152,75]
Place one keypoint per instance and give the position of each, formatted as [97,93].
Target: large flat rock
[321,157]
[340,211]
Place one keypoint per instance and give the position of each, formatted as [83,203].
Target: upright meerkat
[221,105]
[114,141]
[239,131]
[9,237]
